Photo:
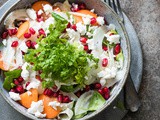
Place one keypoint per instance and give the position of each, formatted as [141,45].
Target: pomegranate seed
[33,44]
[83,40]
[78,94]
[105,90]
[101,91]
[117,49]
[40,19]
[23,53]
[104,62]
[41,32]
[16,82]
[69,25]
[20,79]
[38,78]
[74,27]
[106,96]
[32,31]
[14,31]
[20,89]
[60,98]
[27,84]
[93,21]
[10,32]
[28,43]
[66,99]
[14,44]
[27,35]
[105,48]
[40,71]
[87,88]
[82,6]
[55,87]
[74,7]
[38,15]
[55,94]
[48,92]
[4,35]
[97,85]
[13,90]
[86,47]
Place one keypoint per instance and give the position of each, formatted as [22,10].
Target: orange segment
[48,110]
[2,64]
[26,100]
[86,12]
[23,29]
[39,5]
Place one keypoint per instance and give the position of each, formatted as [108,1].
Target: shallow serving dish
[101,9]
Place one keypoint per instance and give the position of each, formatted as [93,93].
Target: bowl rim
[10,4]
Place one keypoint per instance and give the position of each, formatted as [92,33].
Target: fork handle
[132,101]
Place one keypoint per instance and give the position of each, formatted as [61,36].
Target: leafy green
[96,101]
[120,57]
[9,76]
[47,84]
[58,58]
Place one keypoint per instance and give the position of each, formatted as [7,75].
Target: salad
[59,61]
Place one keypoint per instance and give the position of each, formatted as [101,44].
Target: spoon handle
[132,101]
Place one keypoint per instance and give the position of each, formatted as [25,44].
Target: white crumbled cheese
[25,72]
[108,73]
[4,42]
[23,47]
[36,46]
[111,27]
[102,82]
[114,39]
[92,10]
[40,12]
[54,104]
[33,84]
[37,109]
[47,8]
[47,23]
[89,34]
[14,96]
[81,28]
[100,20]
[86,20]
[29,93]
[31,13]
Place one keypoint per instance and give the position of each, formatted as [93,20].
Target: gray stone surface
[145,16]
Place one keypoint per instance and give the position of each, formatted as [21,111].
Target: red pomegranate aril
[104,62]
[4,35]
[40,19]
[82,6]
[48,92]
[13,90]
[29,43]
[101,91]
[20,79]
[74,27]
[93,21]
[97,85]
[41,32]
[14,44]
[27,35]
[20,89]
[32,31]
[55,94]
[14,31]
[87,88]
[86,47]
[69,25]
[23,53]
[33,44]
[117,49]
[78,94]
[111,34]
[83,40]
[105,90]
[60,98]
[38,77]
[55,87]
[16,82]
[38,15]
[66,99]
[105,48]
[27,84]
[106,96]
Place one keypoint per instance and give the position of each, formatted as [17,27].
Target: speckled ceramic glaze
[101,9]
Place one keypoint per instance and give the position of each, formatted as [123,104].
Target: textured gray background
[145,16]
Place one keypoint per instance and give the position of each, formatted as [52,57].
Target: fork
[132,101]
